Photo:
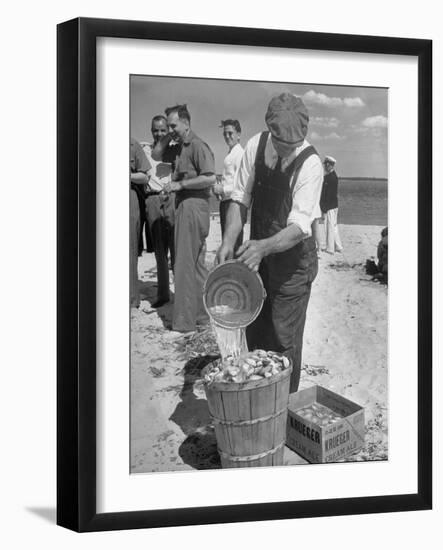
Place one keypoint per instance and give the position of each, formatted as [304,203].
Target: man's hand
[224,253]
[218,189]
[173,186]
[164,196]
[251,253]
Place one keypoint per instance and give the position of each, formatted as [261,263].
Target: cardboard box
[330,443]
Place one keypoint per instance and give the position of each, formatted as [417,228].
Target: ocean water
[360,202]
[363,202]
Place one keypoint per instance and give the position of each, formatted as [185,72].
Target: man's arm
[141,166]
[235,219]
[203,160]
[252,252]
[200,182]
[241,199]
[140,178]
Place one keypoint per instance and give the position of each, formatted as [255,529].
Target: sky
[349,123]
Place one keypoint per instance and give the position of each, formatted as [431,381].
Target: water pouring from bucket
[233,296]
[247,393]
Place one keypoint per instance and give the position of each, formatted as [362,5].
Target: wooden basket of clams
[248,399]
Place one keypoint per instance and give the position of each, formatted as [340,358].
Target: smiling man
[192,179]
[231,164]
[281,175]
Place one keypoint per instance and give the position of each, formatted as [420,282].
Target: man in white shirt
[160,209]
[281,174]
[231,164]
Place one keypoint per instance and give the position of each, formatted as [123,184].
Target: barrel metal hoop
[249,458]
[248,422]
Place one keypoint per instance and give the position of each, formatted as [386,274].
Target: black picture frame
[76,274]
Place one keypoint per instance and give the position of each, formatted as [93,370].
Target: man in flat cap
[329,206]
[281,175]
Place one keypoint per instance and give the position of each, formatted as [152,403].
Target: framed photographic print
[234,343]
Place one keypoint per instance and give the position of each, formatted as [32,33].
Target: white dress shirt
[160,173]
[230,166]
[307,190]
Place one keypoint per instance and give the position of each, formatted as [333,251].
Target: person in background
[281,176]
[193,177]
[223,189]
[382,256]
[160,207]
[139,168]
[329,206]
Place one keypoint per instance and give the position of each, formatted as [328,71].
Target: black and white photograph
[222,354]
[258,273]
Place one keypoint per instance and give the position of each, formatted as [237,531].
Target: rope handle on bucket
[248,422]
[250,457]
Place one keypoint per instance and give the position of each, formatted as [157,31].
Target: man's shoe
[160,302]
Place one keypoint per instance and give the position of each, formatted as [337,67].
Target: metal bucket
[233,295]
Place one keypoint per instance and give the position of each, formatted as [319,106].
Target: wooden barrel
[250,420]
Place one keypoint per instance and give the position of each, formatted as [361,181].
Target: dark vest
[271,205]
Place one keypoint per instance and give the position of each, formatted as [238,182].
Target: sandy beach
[345,350]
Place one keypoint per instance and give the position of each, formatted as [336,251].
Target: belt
[152,193]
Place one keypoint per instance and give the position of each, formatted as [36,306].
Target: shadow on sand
[148,292]
[199,449]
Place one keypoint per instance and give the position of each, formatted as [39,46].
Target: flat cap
[287,118]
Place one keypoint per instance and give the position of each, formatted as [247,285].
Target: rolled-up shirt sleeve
[230,171]
[306,195]
[244,178]
[139,160]
[203,158]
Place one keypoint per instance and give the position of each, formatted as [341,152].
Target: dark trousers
[224,205]
[134,233]
[281,322]
[160,218]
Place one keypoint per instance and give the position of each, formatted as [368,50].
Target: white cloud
[332,136]
[325,122]
[322,99]
[353,102]
[378,121]
[312,97]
